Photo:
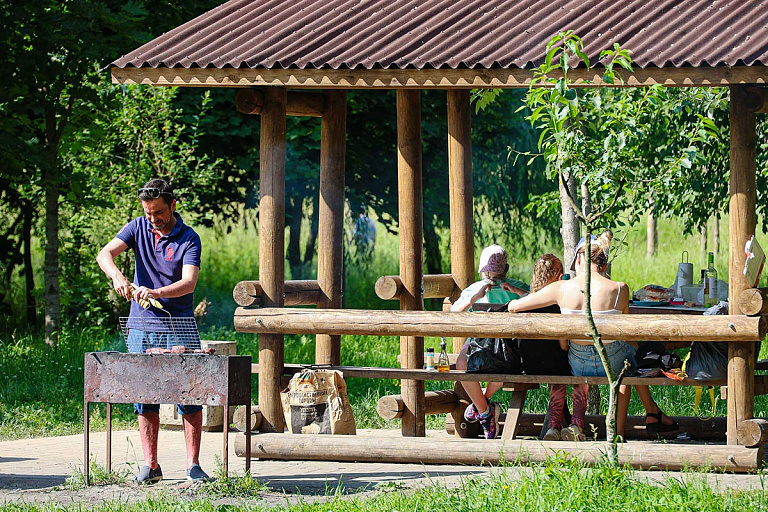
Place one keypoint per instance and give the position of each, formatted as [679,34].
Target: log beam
[411,227]
[753,432]
[306,104]
[712,429]
[435,286]
[330,239]
[519,325]
[754,301]
[460,194]
[743,220]
[295,293]
[756,100]
[238,419]
[391,407]
[421,450]
[272,251]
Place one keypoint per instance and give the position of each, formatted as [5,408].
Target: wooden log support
[330,240]
[272,251]
[519,325]
[238,419]
[743,220]
[295,293]
[753,432]
[421,450]
[712,429]
[411,226]
[306,104]
[754,301]
[460,193]
[434,286]
[391,407]
[756,100]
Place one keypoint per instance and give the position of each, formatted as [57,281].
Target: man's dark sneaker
[490,421]
[196,474]
[148,475]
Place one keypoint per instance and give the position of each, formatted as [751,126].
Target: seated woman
[548,357]
[494,288]
[608,298]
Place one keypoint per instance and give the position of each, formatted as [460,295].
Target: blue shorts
[585,362]
[138,341]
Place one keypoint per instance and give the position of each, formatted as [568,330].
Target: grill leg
[109,437]
[225,433]
[86,447]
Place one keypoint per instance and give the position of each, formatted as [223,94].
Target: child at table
[548,357]
[494,288]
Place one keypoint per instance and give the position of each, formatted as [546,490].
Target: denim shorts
[585,362]
[138,341]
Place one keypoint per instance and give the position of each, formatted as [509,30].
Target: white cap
[493,259]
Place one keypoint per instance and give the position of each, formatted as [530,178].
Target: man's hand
[122,285]
[143,293]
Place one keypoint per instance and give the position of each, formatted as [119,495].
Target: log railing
[434,286]
[520,325]
[296,293]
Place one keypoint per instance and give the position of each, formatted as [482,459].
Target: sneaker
[572,433]
[196,474]
[552,434]
[471,414]
[148,475]
[490,421]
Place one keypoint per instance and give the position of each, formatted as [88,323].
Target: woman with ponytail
[607,298]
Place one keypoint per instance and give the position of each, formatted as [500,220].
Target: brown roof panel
[457,33]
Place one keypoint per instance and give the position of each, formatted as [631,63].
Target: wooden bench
[519,385]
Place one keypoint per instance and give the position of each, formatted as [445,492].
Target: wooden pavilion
[299,57]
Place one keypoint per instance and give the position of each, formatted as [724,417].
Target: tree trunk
[51,274]
[704,242]
[652,234]
[570,228]
[586,200]
[293,216]
[594,400]
[29,275]
[310,249]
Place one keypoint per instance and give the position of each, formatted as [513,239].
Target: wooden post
[741,356]
[272,251]
[460,190]
[411,226]
[330,244]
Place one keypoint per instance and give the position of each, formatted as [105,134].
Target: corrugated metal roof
[438,34]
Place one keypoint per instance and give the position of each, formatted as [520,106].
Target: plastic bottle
[430,359]
[443,364]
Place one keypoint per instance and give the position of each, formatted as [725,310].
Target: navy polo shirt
[159,261]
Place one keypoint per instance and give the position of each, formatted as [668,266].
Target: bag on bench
[493,355]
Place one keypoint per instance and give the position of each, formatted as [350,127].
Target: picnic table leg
[515,411]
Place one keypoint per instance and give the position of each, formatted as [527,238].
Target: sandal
[658,427]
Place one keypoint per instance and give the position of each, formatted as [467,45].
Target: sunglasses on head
[153,192]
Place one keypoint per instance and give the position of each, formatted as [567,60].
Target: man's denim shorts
[585,362]
[138,341]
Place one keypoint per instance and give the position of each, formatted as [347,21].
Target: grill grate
[144,331]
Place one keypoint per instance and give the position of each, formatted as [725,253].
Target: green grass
[558,485]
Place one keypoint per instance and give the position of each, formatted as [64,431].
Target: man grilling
[167,255]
